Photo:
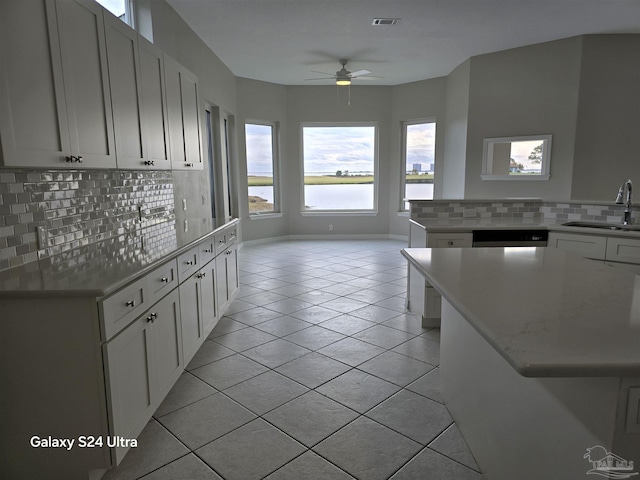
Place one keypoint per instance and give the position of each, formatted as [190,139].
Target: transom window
[123,9]
[419,154]
[339,165]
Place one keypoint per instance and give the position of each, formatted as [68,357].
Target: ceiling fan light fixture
[343,81]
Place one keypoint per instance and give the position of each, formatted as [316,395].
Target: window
[339,164]
[123,9]
[419,154]
[261,155]
[517,158]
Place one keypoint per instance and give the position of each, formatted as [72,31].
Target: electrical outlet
[43,238]
[331,228]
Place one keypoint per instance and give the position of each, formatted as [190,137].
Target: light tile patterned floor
[316,372]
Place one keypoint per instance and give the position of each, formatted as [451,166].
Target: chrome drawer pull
[189,262]
[130,303]
[164,280]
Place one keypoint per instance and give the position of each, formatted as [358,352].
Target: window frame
[129,12]
[403,155]
[376,170]
[275,165]
[487,158]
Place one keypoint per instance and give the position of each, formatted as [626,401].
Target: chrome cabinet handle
[149,162]
[73,159]
[152,317]
[228,252]
[207,250]
[188,164]
[130,303]
[201,275]
[189,262]
[164,280]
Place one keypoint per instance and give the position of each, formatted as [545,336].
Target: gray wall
[455,127]
[267,102]
[414,101]
[607,143]
[323,104]
[217,85]
[524,91]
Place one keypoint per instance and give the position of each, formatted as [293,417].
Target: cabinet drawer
[207,250]
[623,250]
[124,306]
[220,242]
[162,280]
[188,263]
[449,240]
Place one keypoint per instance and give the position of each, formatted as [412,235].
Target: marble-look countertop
[547,312]
[101,272]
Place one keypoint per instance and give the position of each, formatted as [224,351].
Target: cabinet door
[129,379]
[191,119]
[590,246]
[167,345]
[623,250]
[232,271]
[182,110]
[209,302]
[86,82]
[222,292]
[34,129]
[124,80]
[155,124]
[191,319]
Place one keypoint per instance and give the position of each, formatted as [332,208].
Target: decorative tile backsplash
[534,209]
[83,213]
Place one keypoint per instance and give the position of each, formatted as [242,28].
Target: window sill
[264,216]
[520,178]
[339,213]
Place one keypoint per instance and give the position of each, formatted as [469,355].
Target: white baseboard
[359,236]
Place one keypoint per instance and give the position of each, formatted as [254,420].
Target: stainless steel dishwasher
[510,238]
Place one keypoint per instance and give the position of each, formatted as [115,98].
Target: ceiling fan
[343,76]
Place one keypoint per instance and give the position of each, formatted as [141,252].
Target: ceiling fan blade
[320,78]
[368,77]
[359,73]
[323,73]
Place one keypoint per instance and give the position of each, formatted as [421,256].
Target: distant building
[417,167]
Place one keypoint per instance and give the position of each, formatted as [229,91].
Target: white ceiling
[282,41]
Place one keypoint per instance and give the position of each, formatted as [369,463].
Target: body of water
[343,197]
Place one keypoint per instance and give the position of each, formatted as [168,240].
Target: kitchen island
[540,358]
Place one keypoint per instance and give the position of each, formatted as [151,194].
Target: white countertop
[547,312]
[467,225]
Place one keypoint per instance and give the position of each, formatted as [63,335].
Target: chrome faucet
[627,210]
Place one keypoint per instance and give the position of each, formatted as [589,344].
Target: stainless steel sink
[604,225]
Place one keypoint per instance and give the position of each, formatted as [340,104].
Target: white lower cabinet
[422,298]
[589,246]
[615,251]
[191,313]
[208,299]
[227,275]
[142,364]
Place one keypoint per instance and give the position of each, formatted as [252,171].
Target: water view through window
[339,165]
[260,167]
[419,155]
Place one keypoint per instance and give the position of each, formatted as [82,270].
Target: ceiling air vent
[385,21]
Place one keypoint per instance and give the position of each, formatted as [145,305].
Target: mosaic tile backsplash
[534,209]
[83,213]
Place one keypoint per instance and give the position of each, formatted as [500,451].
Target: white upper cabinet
[34,129]
[86,81]
[155,123]
[184,119]
[126,97]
